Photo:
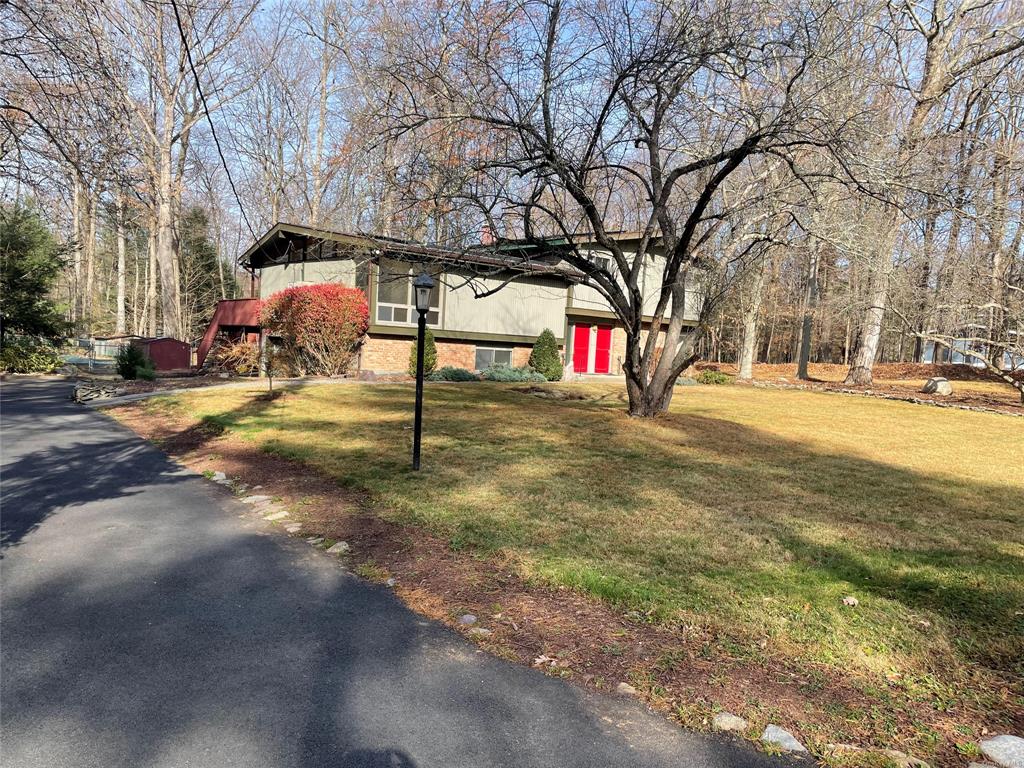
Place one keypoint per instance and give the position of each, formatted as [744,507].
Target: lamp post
[422,286]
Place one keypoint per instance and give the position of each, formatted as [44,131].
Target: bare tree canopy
[741,180]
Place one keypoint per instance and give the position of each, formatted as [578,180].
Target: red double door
[581,341]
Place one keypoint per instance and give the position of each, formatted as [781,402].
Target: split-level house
[489,305]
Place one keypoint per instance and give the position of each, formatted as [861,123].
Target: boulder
[726,721]
[1005,751]
[937,385]
[782,739]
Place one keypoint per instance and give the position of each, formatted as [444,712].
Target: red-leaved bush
[320,326]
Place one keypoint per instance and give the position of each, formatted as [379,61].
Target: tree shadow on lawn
[754,514]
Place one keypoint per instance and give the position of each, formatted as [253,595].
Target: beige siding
[274,279]
[522,308]
[585,297]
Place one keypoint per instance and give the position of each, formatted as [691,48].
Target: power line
[209,119]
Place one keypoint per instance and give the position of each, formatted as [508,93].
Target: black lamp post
[422,286]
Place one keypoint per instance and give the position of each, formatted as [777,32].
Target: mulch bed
[685,671]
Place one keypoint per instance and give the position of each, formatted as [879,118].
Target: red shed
[166,353]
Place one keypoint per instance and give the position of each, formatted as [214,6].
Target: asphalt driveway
[148,621]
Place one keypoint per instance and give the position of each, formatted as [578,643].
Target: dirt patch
[686,671]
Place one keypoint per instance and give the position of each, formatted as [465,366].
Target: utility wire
[209,119]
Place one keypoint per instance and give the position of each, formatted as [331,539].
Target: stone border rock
[781,738]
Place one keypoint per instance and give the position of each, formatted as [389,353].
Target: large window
[395,302]
[488,356]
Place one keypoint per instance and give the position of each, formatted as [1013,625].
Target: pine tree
[30,262]
[545,358]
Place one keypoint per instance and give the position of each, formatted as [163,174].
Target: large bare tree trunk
[76,255]
[121,254]
[807,326]
[748,343]
[874,313]
[90,263]
[166,255]
[151,279]
[321,127]
[136,309]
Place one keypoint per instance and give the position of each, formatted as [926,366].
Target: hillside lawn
[745,515]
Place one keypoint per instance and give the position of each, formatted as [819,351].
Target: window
[363,276]
[601,262]
[488,356]
[395,302]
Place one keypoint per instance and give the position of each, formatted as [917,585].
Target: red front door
[603,350]
[580,348]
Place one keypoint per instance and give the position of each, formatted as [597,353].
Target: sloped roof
[279,246]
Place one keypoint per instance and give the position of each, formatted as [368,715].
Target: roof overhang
[288,243]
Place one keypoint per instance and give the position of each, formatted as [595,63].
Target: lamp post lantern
[422,286]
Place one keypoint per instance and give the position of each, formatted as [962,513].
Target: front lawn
[746,515]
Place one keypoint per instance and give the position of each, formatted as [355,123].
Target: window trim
[412,313]
[490,348]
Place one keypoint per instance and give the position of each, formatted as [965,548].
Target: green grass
[746,511]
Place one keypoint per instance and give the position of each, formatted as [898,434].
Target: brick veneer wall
[391,355]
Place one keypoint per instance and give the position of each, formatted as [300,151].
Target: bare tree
[932,49]
[587,121]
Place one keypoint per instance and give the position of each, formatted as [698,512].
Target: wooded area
[843,178]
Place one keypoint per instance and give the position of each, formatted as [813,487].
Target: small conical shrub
[429,355]
[545,358]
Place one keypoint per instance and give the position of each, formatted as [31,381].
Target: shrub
[506,373]
[320,326]
[451,373]
[710,376]
[429,355]
[237,357]
[146,371]
[128,360]
[24,354]
[545,358]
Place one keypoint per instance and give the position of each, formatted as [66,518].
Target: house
[490,303]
